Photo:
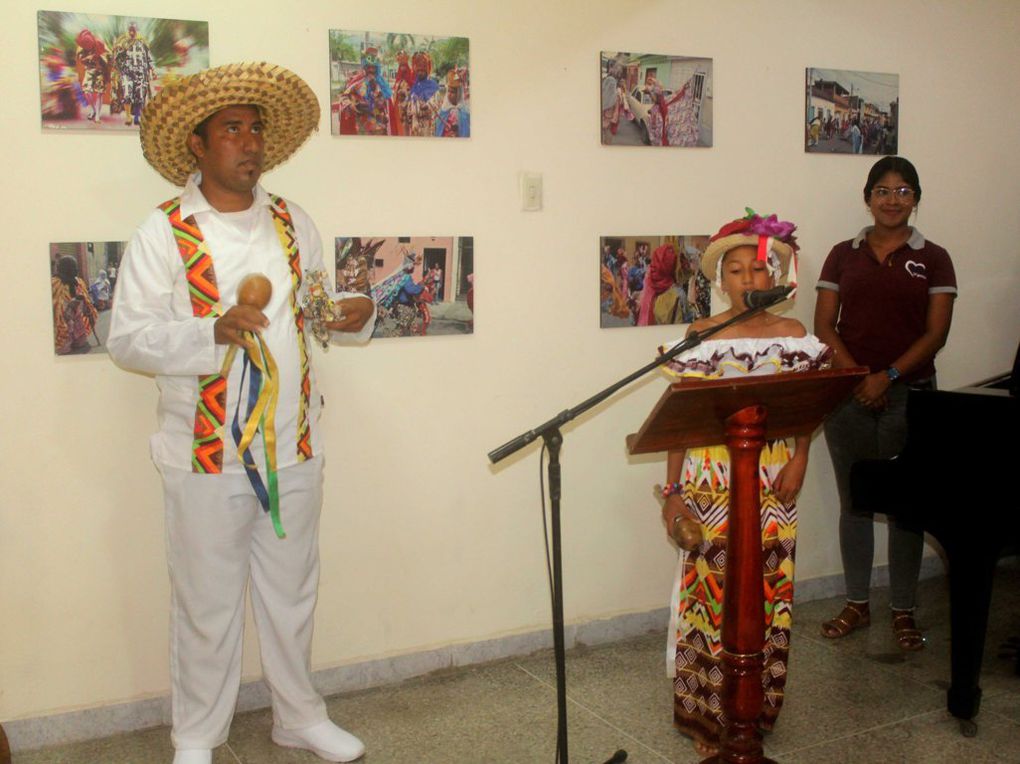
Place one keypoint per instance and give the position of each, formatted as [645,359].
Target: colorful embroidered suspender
[288,240]
[210,410]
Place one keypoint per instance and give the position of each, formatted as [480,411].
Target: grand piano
[959,503]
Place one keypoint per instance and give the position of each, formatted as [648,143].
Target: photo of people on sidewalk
[98,72]
[422,285]
[652,280]
[655,100]
[399,84]
[82,277]
[851,112]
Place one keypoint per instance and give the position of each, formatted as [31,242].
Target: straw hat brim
[290,113]
[719,247]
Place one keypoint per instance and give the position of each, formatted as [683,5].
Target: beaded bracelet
[670,488]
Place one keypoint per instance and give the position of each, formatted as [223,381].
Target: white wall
[424,543]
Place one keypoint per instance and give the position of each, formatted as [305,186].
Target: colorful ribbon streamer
[260,371]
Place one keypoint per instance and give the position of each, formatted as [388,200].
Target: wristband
[670,488]
[893,373]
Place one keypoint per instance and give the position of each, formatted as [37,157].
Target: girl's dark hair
[898,165]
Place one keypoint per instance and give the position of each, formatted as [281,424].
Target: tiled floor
[855,700]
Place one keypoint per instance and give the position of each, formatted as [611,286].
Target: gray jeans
[853,433]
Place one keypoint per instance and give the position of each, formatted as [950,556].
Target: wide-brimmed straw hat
[764,234]
[290,113]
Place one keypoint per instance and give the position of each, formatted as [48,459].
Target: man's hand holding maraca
[238,326]
[233,326]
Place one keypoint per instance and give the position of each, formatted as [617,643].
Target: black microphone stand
[550,433]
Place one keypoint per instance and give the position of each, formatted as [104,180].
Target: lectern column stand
[743,626]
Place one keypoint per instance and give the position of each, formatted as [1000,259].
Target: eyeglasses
[904,193]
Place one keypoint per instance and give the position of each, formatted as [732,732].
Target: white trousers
[218,538]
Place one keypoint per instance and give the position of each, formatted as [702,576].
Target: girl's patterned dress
[695,646]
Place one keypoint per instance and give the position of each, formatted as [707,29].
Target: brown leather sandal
[854,615]
[908,636]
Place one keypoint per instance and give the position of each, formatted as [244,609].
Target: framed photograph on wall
[387,83]
[98,72]
[82,277]
[849,112]
[655,100]
[422,285]
[652,280]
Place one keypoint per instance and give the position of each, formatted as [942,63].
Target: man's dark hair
[202,128]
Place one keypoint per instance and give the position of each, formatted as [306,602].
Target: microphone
[764,298]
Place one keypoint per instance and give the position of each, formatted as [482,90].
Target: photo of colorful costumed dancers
[399,84]
[422,285]
[98,72]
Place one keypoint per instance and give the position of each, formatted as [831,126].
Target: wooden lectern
[743,413]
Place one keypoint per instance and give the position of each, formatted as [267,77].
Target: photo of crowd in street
[851,112]
[656,100]
[399,84]
[82,277]
[652,280]
[422,285]
[98,72]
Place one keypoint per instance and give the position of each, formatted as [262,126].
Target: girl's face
[892,200]
[743,272]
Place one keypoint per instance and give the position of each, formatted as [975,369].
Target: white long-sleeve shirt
[153,328]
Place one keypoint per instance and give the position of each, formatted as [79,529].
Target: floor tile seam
[858,732]
[593,713]
[623,732]
[883,667]
[990,712]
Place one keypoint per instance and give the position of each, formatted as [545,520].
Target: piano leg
[970,587]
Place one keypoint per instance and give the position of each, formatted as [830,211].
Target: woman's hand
[790,479]
[872,390]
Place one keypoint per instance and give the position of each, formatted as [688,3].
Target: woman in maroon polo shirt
[885,301]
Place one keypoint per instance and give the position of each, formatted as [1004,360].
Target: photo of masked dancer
[366,105]
[134,71]
[74,314]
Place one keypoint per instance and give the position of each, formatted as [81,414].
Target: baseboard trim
[103,721]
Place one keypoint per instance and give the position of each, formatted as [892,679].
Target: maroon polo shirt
[883,307]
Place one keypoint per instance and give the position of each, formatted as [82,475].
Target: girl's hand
[790,480]
[681,525]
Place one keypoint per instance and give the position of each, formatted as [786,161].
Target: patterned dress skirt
[695,655]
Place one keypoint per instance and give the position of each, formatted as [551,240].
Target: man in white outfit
[175,315]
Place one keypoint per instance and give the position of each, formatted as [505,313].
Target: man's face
[231,153]
[132,31]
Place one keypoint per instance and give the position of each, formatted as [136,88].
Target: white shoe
[193,756]
[324,739]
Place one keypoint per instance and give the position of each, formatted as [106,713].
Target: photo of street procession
[850,112]
[652,280]
[422,285]
[655,100]
[98,72]
[82,277]
[399,85]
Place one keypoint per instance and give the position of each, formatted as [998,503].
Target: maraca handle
[228,361]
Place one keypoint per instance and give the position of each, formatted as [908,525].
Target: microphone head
[764,298]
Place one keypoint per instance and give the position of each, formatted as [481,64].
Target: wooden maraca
[254,290]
